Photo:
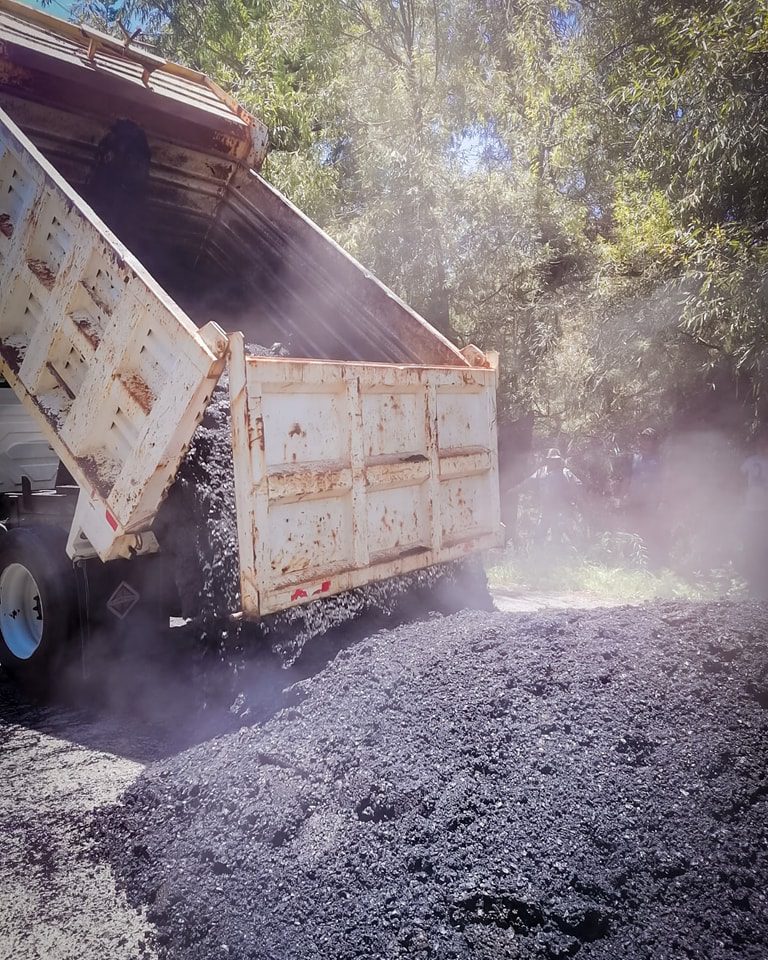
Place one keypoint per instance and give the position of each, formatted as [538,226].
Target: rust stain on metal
[11,355]
[59,379]
[412,551]
[139,391]
[91,473]
[13,76]
[220,171]
[259,429]
[296,431]
[87,331]
[305,484]
[224,144]
[104,307]
[43,272]
[429,427]
[53,419]
[6,227]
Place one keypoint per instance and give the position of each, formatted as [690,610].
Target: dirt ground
[58,764]
[553,784]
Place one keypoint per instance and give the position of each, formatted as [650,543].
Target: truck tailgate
[115,375]
[346,473]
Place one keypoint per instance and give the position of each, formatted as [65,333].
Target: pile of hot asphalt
[486,785]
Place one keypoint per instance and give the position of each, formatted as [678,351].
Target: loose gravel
[587,783]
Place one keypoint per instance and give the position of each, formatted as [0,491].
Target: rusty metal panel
[76,68]
[185,186]
[89,49]
[115,374]
[346,473]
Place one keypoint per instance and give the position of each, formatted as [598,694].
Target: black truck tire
[38,606]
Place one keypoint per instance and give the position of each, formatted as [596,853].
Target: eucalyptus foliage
[580,185]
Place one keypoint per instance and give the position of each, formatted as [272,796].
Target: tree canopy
[577,183]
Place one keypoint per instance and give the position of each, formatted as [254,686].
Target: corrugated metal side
[350,473]
[16,31]
[185,185]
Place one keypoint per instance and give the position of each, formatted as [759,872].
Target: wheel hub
[21,611]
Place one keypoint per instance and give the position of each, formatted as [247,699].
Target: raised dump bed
[350,472]
[139,248]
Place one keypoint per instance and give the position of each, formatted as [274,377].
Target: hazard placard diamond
[123,600]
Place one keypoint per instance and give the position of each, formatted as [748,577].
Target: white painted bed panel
[346,473]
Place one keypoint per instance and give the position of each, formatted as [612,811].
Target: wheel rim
[21,611]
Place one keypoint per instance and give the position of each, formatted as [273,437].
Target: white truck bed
[116,375]
[347,473]
[370,455]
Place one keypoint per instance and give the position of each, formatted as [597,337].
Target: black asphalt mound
[587,784]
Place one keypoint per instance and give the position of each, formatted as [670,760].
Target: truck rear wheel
[37,605]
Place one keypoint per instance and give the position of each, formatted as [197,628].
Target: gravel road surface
[57,900]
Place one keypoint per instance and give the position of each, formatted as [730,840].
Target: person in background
[515,444]
[643,495]
[557,489]
[593,468]
[755,556]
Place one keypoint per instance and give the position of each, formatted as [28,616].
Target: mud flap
[123,604]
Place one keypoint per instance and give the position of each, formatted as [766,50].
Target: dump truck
[140,251]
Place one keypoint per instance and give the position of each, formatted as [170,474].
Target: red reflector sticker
[300,594]
[111,520]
